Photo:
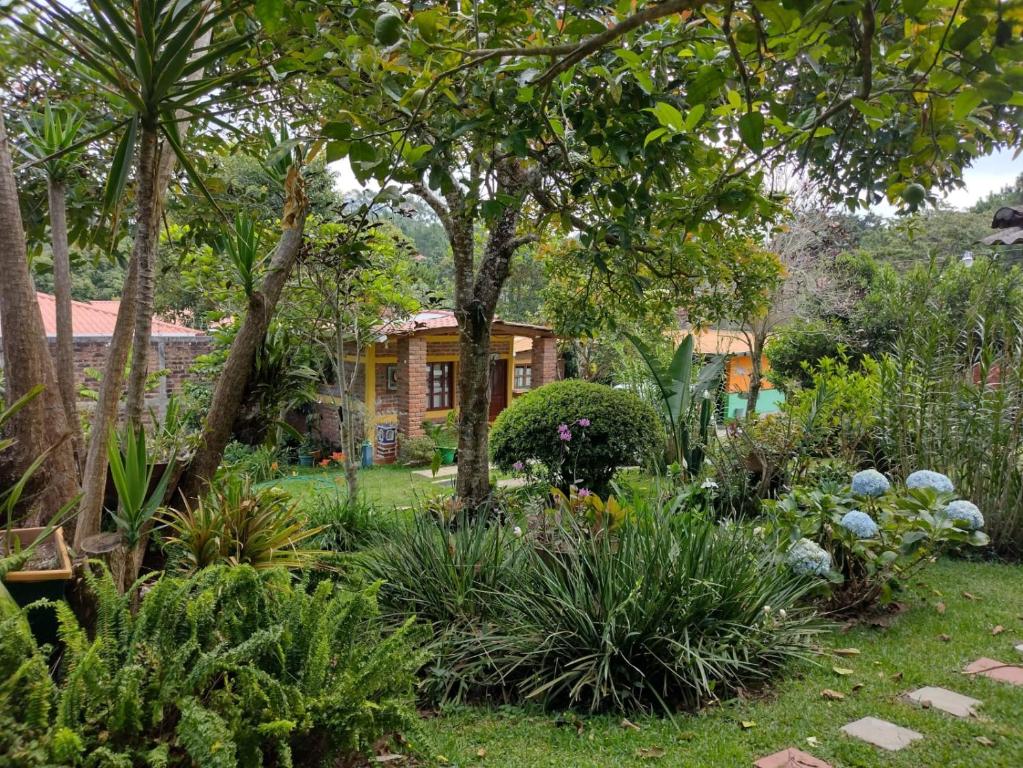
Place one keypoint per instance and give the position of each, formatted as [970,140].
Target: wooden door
[498,387]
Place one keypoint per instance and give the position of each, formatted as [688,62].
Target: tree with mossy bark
[644,128]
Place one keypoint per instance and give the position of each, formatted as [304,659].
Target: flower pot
[306,459]
[28,585]
[447,455]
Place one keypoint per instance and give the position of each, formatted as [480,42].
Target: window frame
[526,380]
[446,393]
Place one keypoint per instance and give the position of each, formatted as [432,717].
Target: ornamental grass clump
[651,609]
[874,542]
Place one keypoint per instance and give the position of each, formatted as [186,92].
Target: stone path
[947,701]
[446,471]
[881,733]
[892,737]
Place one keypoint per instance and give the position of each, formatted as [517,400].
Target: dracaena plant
[132,469]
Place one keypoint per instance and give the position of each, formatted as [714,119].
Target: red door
[498,387]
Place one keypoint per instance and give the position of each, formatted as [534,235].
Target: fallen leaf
[827,693]
[940,608]
[651,753]
[857,687]
[984,740]
[847,651]
[389,758]
[811,740]
[627,723]
[844,671]
[897,676]
[944,638]
[998,630]
[481,753]
[747,724]
[968,596]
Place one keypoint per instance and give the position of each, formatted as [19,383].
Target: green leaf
[655,134]
[965,102]
[995,90]
[967,32]
[120,167]
[269,13]
[751,129]
[668,116]
[868,110]
[913,7]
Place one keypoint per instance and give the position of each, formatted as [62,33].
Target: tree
[586,116]
[41,425]
[350,281]
[52,144]
[143,58]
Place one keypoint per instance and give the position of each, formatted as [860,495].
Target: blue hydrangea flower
[808,559]
[860,524]
[870,482]
[965,512]
[925,478]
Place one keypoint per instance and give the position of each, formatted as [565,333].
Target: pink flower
[583,422]
[583,493]
[518,466]
[564,433]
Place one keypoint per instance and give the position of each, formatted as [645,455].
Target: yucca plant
[153,58]
[132,469]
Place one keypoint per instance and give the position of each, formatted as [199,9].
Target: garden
[279,485]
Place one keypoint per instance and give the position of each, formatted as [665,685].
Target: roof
[444,319]
[1007,236]
[523,344]
[97,319]
[714,341]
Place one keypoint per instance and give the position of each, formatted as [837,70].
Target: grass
[893,660]
[385,486]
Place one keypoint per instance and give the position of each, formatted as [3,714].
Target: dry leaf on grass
[651,753]
[831,695]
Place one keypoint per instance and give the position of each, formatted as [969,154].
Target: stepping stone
[790,758]
[512,482]
[446,471]
[947,701]
[996,670]
[881,733]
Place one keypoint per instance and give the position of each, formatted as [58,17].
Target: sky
[986,175]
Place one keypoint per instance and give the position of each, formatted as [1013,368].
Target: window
[523,376]
[392,378]
[439,386]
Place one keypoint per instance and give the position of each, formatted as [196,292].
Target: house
[738,363]
[413,375]
[173,348]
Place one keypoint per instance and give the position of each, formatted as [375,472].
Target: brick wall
[175,355]
[411,384]
[545,361]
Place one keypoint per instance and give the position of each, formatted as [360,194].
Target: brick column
[411,385]
[545,361]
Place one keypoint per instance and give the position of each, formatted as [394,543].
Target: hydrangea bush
[874,535]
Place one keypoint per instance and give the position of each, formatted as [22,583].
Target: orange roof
[523,344]
[97,318]
[712,341]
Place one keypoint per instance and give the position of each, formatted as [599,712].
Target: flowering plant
[874,540]
[583,504]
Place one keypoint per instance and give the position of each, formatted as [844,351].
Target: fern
[232,666]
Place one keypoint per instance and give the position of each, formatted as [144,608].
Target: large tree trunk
[94,477]
[756,378]
[234,377]
[476,298]
[41,425]
[62,296]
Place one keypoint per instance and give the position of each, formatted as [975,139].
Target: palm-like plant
[678,396]
[51,139]
[151,57]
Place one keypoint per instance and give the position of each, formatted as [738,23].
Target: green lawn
[385,486]
[902,657]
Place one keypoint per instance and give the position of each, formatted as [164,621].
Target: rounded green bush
[609,428]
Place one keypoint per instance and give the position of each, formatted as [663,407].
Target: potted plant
[34,562]
[308,451]
[445,439]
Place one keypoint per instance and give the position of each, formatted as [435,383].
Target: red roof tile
[97,318]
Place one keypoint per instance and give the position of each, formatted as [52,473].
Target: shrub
[656,609]
[238,524]
[800,343]
[577,432]
[231,667]
[261,464]
[344,524]
[874,539]
[415,451]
